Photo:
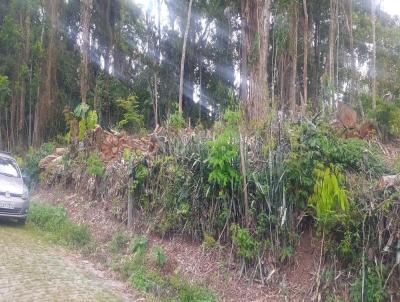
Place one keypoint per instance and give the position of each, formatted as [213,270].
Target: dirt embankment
[215,269]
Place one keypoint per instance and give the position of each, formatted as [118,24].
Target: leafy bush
[81,110]
[373,288]
[312,148]
[94,166]
[159,256]
[285,254]
[131,118]
[329,199]
[32,159]
[209,242]
[224,152]
[176,121]
[146,280]
[119,242]
[86,123]
[54,220]
[139,245]
[82,129]
[387,115]
[187,292]
[91,120]
[247,247]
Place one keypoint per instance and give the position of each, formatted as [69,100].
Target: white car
[14,194]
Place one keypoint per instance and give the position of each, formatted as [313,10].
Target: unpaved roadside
[32,269]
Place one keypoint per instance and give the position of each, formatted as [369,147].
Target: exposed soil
[210,268]
[302,274]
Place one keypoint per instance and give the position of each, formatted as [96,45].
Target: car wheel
[22,221]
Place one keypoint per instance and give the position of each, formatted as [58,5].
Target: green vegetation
[119,243]
[159,256]
[271,158]
[329,198]
[373,288]
[388,117]
[138,245]
[131,119]
[176,121]
[94,166]
[54,222]
[224,152]
[247,247]
[143,269]
[30,165]
[164,287]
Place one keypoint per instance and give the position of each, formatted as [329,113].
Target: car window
[8,168]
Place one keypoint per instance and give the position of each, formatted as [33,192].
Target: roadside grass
[140,267]
[143,270]
[54,222]
[164,287]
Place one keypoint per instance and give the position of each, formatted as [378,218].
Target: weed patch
[54,222]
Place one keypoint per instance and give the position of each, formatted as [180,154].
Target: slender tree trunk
[181,82]
[13,113]
[158,63]
[373,72]
[305,62]
[331,58]
[317,55]
[30,109]
[86,7]
[27,49]
[293,54]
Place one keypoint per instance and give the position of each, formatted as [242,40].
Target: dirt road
[32,269]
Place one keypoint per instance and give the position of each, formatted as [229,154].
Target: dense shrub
[31,164]
[159,256]
[131,118]
[329,199]
[316,147]
[119,242]
[224,152]
[246,246]
[94,166]
[387,115]
[373,287]
[139,245]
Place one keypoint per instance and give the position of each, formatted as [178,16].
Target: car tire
[22,221]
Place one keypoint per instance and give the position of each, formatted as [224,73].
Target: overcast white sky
[391,6]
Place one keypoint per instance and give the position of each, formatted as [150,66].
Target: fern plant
[329,199]
[224,151]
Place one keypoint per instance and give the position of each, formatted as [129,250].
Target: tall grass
[55,223]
